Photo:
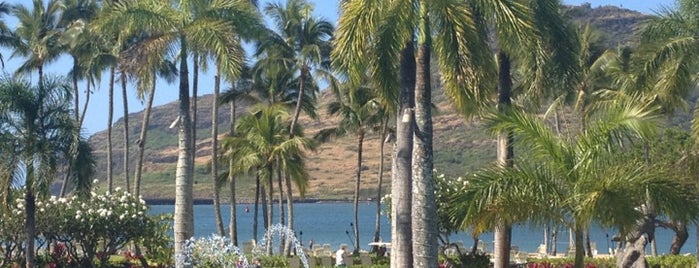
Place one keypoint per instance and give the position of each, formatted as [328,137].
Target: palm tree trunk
[30,227]
[124,95]
[377,223]
[425,233]
[270,206]
[282,241]
[259,191]
[297,110]
[233,223]
[88,92]
[401,182]
[142,139]
[505,154]
[76,92]
[579,248]
[290,215]
[280,182]
[360,144]
[110,117]
[214,155]
[184,218]
[195,92]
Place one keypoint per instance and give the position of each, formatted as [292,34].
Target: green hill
[460,146]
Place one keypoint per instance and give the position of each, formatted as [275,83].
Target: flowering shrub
[214,251]
[77,230]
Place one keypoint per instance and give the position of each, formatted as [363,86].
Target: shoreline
[206,201]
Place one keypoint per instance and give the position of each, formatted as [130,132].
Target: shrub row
[76,231]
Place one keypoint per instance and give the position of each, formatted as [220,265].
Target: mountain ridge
[460,145]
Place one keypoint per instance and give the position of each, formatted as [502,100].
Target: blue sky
[97,110]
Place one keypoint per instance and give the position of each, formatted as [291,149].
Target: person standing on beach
[340,256]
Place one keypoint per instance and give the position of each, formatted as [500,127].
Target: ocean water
[332,223]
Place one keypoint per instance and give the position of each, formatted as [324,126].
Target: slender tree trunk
[88,92]
[110,118]
[184,182]
[579,248]
[360,145]
[124,95]
[30,227]
[290,215]
[401,182]
[505,155]
[302,89]
[425,231]
[280,202]
[214,155]
[270,206]
[233,223]
[258,190]
[681,236]
[195,96]
[377,222]
[142,139]
[76,92]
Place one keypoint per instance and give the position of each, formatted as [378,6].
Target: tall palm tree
[6,35]
[579,175]
[460,45]
[360,112]
[239,90]
[38,122]
[175,26]
[546,51]
[37,35]
[76,15]
[262,145]
[300,42]
[148,74]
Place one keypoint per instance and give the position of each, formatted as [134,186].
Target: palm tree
[239,89]
[262,145]
[38,123]
[360,113]
[217,31]
[76,15]
[301,43]
[460,45]
[37,35]
[5,32]
[148,73]
[546,52]
[579,176]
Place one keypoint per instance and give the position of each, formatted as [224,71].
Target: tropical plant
[360,113]
[574,179]
[262,146]
[239,90]
[300,43]
[36,35]
[5,32]
[218,31]
[38,130]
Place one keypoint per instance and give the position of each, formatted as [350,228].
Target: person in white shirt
[340,256]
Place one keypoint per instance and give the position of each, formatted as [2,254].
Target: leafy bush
[669,261]
[568,262]
[75,230]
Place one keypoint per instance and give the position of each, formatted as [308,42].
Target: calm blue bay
[329,222]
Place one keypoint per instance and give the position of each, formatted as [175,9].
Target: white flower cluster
[213,251]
